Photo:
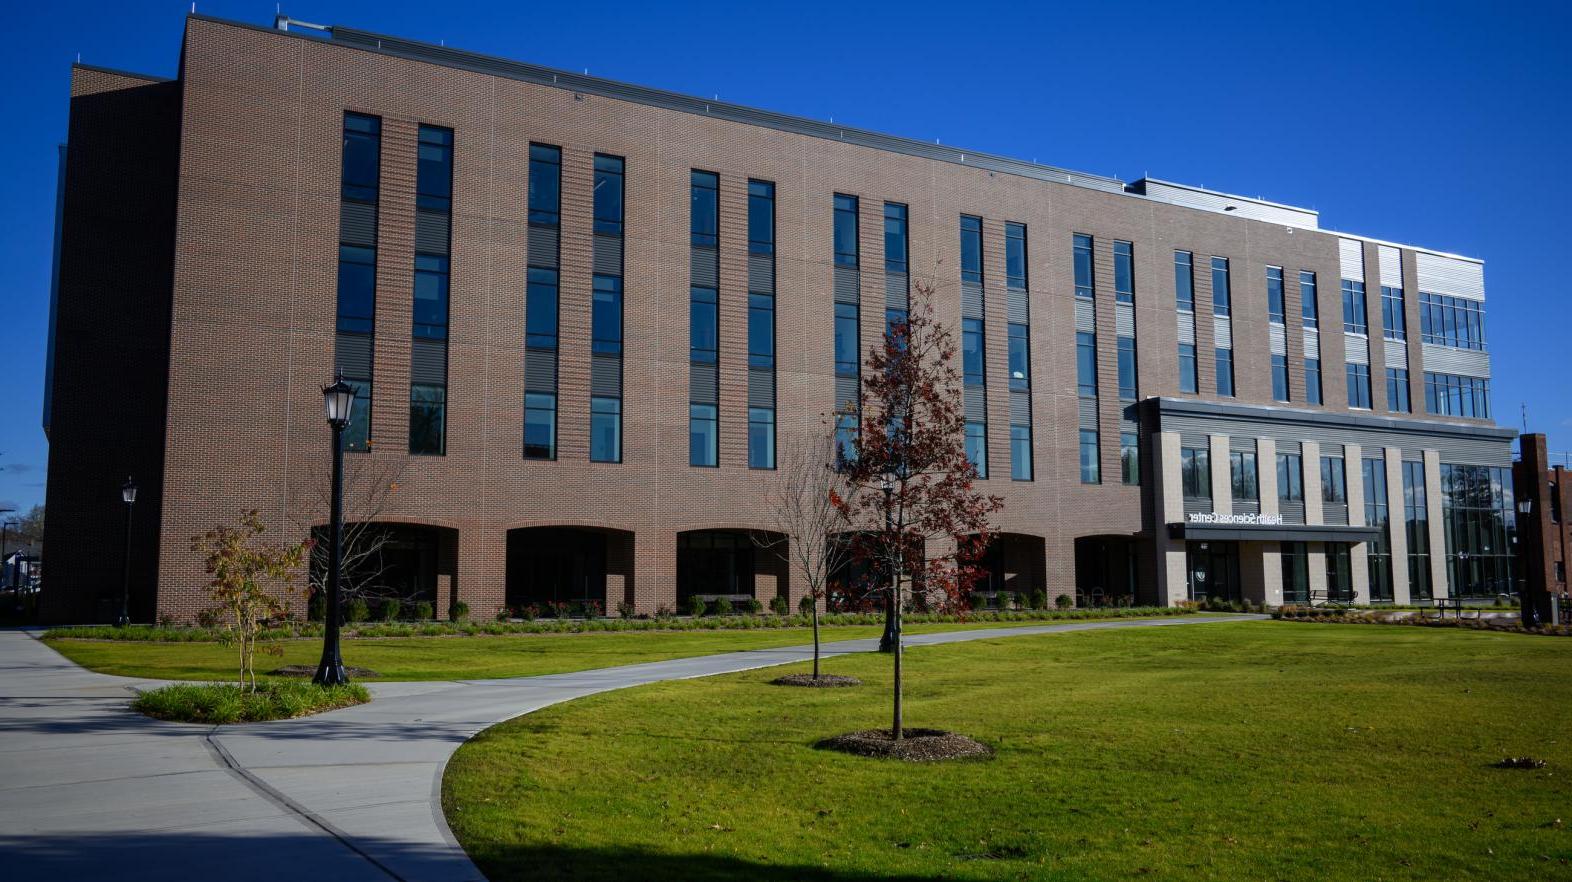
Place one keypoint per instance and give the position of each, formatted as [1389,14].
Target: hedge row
[1510,626]
[182,634]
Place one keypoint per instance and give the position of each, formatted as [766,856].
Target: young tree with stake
[910,499]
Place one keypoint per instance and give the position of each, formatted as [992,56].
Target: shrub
[459,611]
[504,614]
[806,605]
[215,703]
[424,612]
[357,610]
[778,605]
[592,609]
[977,600]
[1039,600]
[560,609]
[529,612]
[1006,599]
[390,609]
[723,606]
[696,606]
[664,612]
[754,606]
[1064,601]
[626,609]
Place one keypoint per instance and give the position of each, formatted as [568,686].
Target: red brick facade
[248,319]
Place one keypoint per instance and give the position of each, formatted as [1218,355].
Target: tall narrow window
[1280,378]
[540,425]
[761,438]
[1124,272]
[1359,386]
[1082,257]
[896,247]
[1313,381]
[1397,390]
[605,429]
[1015,255]
[606,315]
[1129,458]
[540,340]
[846,339]
[846,247]
[1290,478]
[540,309]
[761,325]
[1184,281]
[971,249]
[977,446]
[1195,471]
[1274,295]
[703,436]
[1354,321]
[1309,310]
[1086,364]
[1020,358]
[1416,525]
[1222,296]
[1091,468]
[1021,453]
[1377,515]
[1334,485]
[545,185]
[761,217]
[1127,378]
[429,321]
[972,352]
[608,195]
[1225,373]
[1242,476]
[1394,325]
[1188,372]
[703,332]
[703,216]
[357,269]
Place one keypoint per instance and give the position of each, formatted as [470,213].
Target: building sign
[1246,520]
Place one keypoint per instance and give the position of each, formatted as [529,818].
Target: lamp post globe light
[337,400]
[128,496]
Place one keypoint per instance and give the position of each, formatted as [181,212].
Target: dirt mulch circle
[311,670]
[823,681]
[917,745]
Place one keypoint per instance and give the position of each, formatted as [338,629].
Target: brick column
[1310,455]
[1222,483]
[1397,532]
[1169,485]
[1440,585]
[482,571]
[1358,552]
[655,568]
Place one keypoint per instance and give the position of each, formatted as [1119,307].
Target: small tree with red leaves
[917,519]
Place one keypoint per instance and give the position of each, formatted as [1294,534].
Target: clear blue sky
[1439,124]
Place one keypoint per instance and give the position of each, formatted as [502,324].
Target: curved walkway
[91,790]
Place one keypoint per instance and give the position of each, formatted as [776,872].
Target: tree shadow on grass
[543,863]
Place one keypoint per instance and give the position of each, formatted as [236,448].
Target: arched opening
[589,569]
[859,584]
[383,563]
[1016,567]
[739,565]
[1105,571]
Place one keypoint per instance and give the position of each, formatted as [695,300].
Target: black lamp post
[128,496]
[337,400]
[891,628]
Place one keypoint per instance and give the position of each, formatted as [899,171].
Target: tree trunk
[897,729]
[815,639]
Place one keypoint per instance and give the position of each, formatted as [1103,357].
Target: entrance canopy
[1220,532]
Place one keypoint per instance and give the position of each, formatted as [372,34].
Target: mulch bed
[823,681]
[311,670]
[916,745]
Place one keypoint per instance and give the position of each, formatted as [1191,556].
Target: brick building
[1545,534]
[583,317]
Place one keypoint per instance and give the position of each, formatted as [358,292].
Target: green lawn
[1262,750]
[468,658]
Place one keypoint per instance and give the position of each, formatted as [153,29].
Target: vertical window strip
[761,323]
[360,185]
[429,321]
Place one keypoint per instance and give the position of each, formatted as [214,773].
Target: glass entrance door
[1339,573]
[1214,570]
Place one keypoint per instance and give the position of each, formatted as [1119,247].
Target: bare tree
[803,515]
[370,484]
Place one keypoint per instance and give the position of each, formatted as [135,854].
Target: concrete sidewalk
[90,790]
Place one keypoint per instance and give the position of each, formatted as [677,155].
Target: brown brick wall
[253,294]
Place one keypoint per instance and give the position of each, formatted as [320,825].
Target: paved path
[90,790]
